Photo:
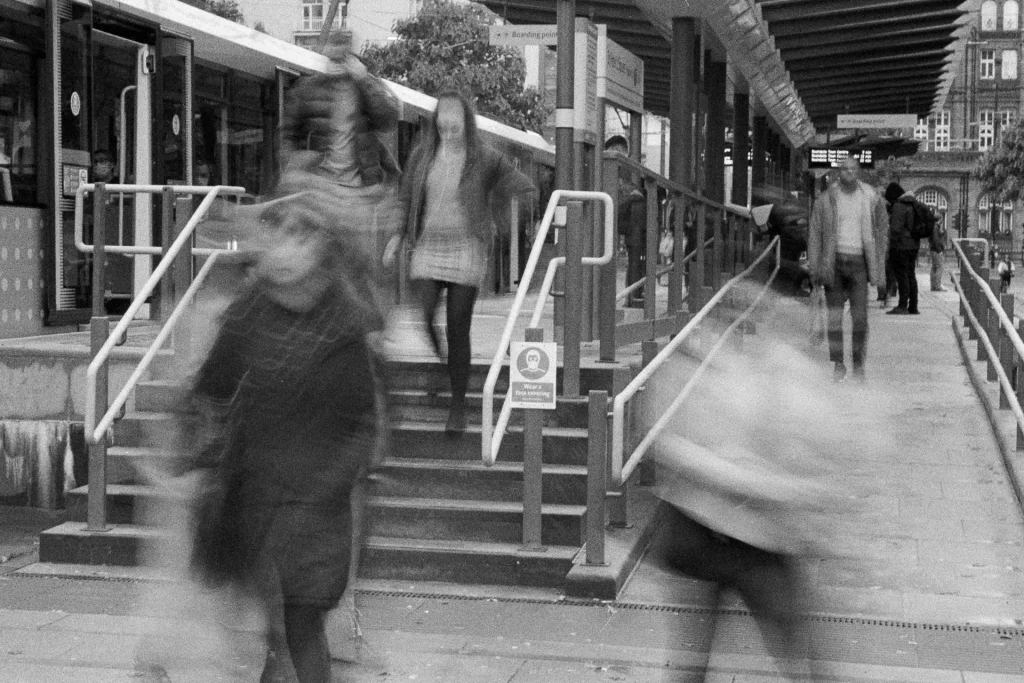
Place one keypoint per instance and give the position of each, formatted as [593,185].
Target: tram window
[74,72]
[18,127]
[210,83]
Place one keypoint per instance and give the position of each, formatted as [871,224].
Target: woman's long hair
[471,135]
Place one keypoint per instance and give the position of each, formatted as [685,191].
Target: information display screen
[824,157]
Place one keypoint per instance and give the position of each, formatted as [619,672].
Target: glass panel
[1011,15]
[74,100]
[988,64]
[209,83]
[209,139]
[988,15]
[18,128]
[1009,71]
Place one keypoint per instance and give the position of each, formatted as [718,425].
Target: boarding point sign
[532,375]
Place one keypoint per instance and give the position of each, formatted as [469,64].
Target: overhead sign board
[825,157]
[884,121]
[585,80]
[532,375]
[526,34]
[620,73]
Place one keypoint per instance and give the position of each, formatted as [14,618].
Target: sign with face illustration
[532,375]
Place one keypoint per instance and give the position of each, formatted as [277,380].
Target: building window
[1011,15]
[942,131]
[1007,118]
[988,16]
[921,133]
[937,201]
[986,129]
[1009,70]
[18,127]
[313,14]
[999,223]
[988,64]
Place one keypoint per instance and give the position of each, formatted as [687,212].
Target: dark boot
[456,417]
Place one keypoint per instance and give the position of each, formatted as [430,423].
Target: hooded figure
[903,247]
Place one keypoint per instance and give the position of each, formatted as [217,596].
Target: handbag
[818,323]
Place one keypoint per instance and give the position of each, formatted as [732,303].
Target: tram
[148,92]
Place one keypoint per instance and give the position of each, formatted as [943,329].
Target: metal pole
[1005,348]
[99,330]
[166,229]
[1019,379]
[682,99]
[573,299]
[564,121]
[608,273]
[533,467]
[597,463]
[651,237]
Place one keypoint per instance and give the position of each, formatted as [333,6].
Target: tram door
[122,115]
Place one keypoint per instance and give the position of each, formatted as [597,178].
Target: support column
[740,148]
[759,145]
[785,166]
[564,102]
[715,149]
[636,136]
[681,104]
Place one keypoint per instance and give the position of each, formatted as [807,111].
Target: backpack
[925,220]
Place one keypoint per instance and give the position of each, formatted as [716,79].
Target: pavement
[928,585]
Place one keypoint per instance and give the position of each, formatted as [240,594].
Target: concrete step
[138,465]
[471,520]
[472,480]
[415,439]
[145,428]
[122,545]
[427,406]
[126,503]
[160,396]
[433,376]
[465,562]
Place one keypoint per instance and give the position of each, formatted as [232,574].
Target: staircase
[434,513]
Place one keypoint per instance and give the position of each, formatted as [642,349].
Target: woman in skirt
[452,186]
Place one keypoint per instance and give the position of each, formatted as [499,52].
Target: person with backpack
[907,223]
[1005,270]
[937,251]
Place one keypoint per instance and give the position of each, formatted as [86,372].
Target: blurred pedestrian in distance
[1005,269]
[453,185]
[937,251]
[293,371]
[332,132]
[903,247]
[844,254]
[202,174]
[632,220]
[104,167]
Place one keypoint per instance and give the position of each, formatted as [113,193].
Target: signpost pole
[533,447]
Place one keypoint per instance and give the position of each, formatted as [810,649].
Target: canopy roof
[804,60]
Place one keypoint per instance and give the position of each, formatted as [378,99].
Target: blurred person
[847,223]
[632,221]
[903,247]
[746,466]
[331,139]
[104,167]
[293,369]
[937,252]
[1005,270]
[202,174]
[452,186]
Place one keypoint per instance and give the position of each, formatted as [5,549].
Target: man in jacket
[845,246]
[937,250]
[903,247]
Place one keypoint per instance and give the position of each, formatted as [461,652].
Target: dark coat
[303,426]
[488,182]
[632,218]
[901,219]
[307,124]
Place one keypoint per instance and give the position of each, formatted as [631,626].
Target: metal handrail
[620,471]
[985,242]
[144,189]
[492,435]
[95,432]
[661,271]
[1004,320]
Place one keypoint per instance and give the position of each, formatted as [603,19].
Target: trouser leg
[835,298]
[910,266]
[857,286]
[902,282]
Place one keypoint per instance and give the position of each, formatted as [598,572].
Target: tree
[228,9]
[446,45]
[1001,169]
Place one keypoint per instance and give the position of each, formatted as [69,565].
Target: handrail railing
[622,471]
[492,435]
[145,189]
[1009,397]
[95,431]
[661,271]
[1004,320]
[984,242]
